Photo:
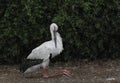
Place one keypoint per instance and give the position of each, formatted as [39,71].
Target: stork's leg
[45,73]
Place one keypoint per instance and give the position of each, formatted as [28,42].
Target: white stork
[40,56]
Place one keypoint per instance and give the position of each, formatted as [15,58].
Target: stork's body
[46,51]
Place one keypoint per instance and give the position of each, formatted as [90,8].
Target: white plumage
[44,50]
[52,47]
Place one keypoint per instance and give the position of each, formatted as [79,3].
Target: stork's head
[53,29]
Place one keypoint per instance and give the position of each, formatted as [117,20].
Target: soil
[81,72]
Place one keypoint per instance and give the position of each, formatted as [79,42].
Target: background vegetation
[90,28]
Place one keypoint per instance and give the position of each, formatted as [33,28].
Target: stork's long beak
[55,40]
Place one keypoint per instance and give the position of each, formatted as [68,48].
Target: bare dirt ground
[82,72]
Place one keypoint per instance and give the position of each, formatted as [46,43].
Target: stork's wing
[27,63]
[41,52]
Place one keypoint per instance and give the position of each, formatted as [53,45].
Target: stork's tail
[30,64]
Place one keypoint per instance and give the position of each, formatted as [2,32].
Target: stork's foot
[66,72]
[63,72]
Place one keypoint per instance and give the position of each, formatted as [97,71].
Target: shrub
[90,29]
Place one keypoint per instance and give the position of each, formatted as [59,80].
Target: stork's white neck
[58,37]
[52,35]
[59,44]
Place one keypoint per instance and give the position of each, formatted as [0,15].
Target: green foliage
[90,29]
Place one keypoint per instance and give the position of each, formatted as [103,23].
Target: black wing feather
[26,63]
